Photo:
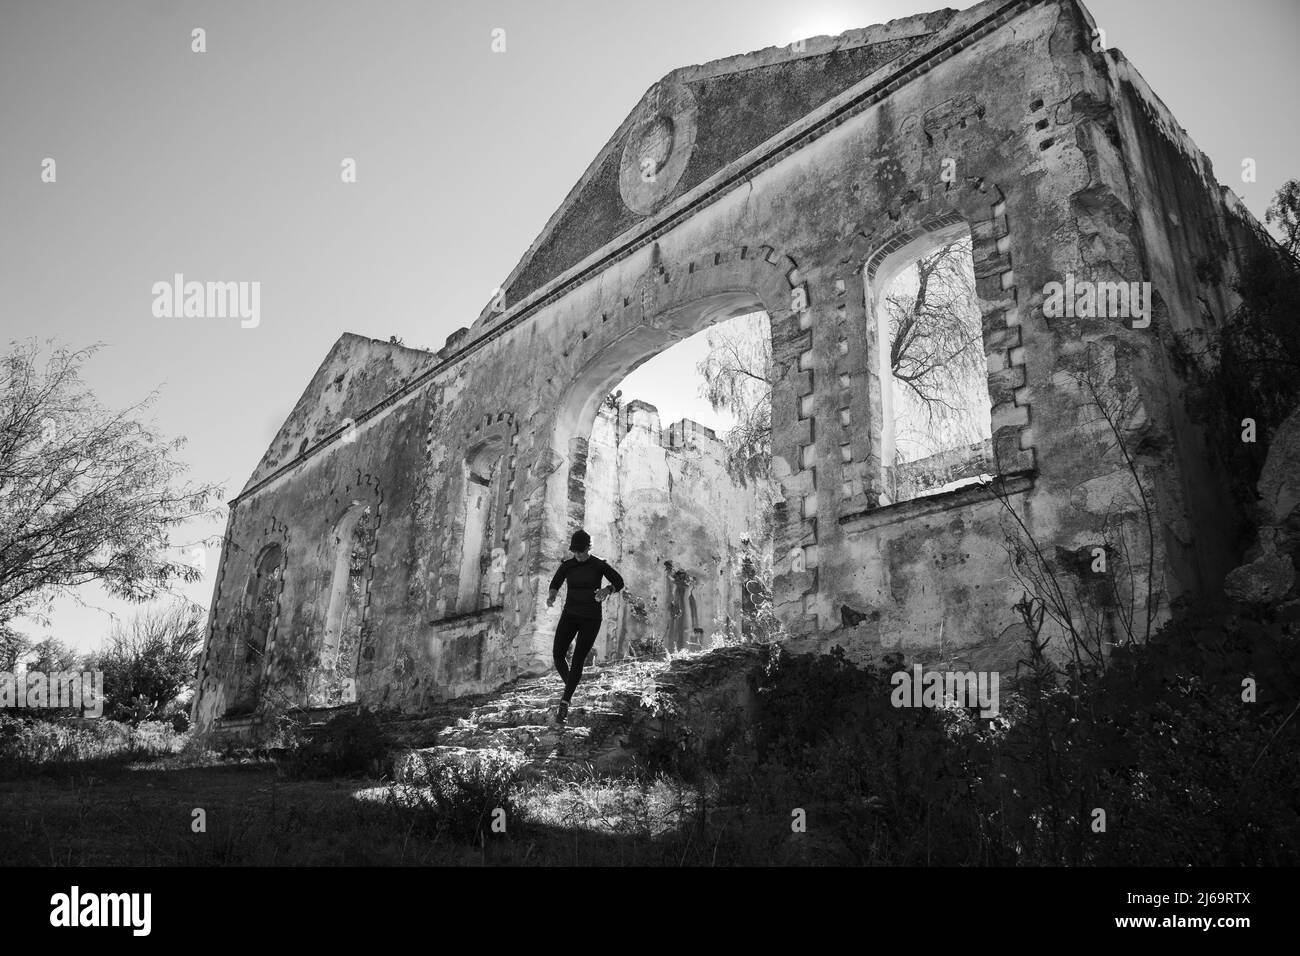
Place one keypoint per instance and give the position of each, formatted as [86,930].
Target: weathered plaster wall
[1195,235]
[1002,118]
[662,508]
[381,467]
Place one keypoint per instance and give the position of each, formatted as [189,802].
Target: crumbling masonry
[394,544]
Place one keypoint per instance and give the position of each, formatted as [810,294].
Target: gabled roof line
[736,65]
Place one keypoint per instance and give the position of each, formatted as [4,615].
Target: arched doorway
[644,518]
[482,554]
[254,626]
[334,682]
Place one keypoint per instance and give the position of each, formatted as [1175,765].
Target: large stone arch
[675,302]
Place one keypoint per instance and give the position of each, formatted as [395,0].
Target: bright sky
[225,165]
[670,380]
[647,384]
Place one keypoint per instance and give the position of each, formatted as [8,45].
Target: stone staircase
[611,700]
[620,711]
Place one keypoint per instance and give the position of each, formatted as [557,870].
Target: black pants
[585,629]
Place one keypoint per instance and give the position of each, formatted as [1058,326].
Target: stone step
[518,720]
[414,766]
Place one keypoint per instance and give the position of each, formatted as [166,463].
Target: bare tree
[1095,605]
[936,351]
[738,379]
[86,495]
[1285,211]
[51,655]
[149,662]
[14,647]
[936,355]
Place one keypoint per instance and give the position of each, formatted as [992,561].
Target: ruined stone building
[394,544]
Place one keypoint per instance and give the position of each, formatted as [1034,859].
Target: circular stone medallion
[658,147]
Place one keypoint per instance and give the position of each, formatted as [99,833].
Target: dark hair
[581,541]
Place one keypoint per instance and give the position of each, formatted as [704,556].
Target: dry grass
[142,814]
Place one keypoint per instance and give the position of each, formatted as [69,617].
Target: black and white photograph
[565,434]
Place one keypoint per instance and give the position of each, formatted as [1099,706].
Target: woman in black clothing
[580,616]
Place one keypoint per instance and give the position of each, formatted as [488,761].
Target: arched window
[256,621]
[935,426]
[482,553]
[354,542]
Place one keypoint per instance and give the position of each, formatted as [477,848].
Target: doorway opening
[678,493]
[253,626]
[334,683]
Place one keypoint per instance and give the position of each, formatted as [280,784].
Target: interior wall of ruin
[663,508]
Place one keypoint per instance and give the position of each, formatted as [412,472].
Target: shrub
[1256,352]
[29,745]
[650,647]
[1187,772]
[349,744]
[465,796]
[149,662]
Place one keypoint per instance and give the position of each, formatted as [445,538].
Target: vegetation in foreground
[1186,770]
